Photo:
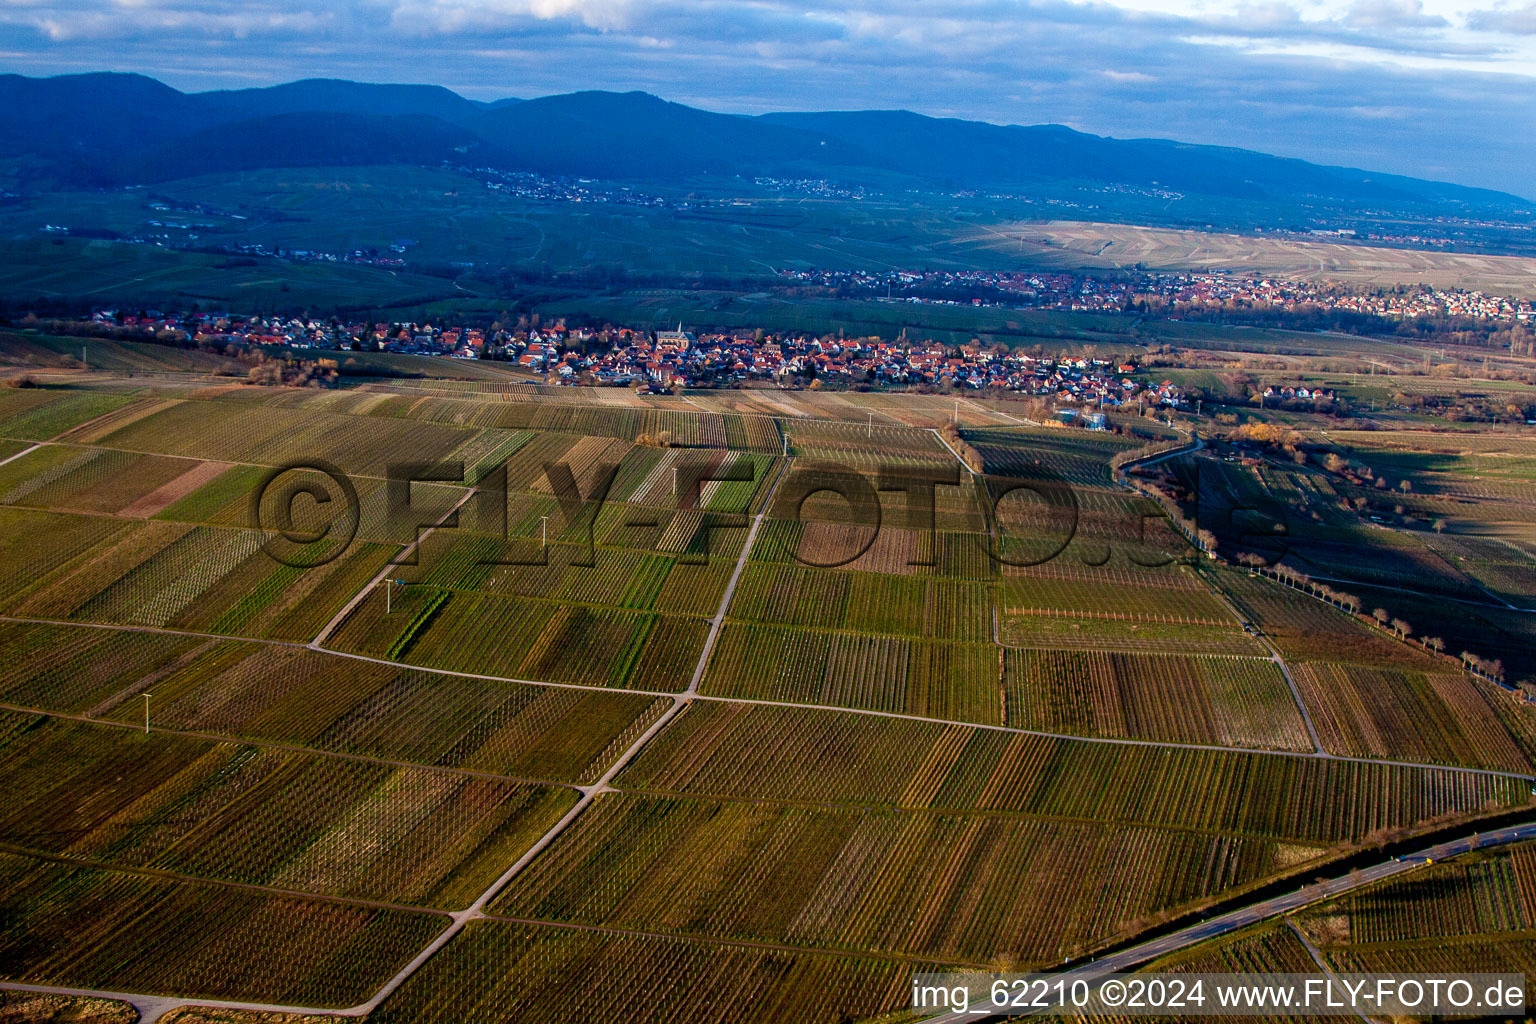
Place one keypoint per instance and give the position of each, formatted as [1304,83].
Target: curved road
[1276,906]
[151,1007]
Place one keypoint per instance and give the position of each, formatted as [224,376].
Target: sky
[1442,89]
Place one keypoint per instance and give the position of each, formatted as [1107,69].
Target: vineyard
[865,602]
[228,431]
[628,578]
[814,756]
[893,551]
[1420,716]
[89,479]
[522,638]
[961,682]
[298,697]
[952,887]
[640,979]
[1068,456]
[140,932]
[1242,702]
[903,751]
[1269,948]
[1471,913]
[292,821]
[1104,597]
[1054,630]
[151,573]
[41,414]
[1306,629]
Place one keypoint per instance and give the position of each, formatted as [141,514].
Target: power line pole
[146,714]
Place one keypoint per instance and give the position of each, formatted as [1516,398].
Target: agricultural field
[282,819]
[662,712]
[726,749]
[954,887]
[1439,716]
[500,967]
[144,932]
[1471,913]
[294,697]
[1228,701]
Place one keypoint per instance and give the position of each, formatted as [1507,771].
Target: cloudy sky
[1437,88]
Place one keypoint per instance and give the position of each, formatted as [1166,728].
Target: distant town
[1160,292]
[663,360]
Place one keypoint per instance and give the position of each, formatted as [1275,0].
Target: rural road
[1285,670]
[1286,903]
[24,451]
[151,1007]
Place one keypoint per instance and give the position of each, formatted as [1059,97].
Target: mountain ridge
[105,129]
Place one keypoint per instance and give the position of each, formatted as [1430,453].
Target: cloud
[456,17]
[1519,20]
[1392,15]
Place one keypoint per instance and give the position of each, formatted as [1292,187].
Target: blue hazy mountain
[114,129]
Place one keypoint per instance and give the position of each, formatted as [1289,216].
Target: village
[1142,291]
[660,361]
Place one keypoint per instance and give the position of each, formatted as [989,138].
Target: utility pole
[146,714]
[544,528]
[388,583]
[871,431]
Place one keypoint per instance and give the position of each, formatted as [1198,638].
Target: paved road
[151,1007]
[1317,958]
[24,451]
[409,551]
[1276,906]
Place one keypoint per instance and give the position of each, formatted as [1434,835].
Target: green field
[683,731]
